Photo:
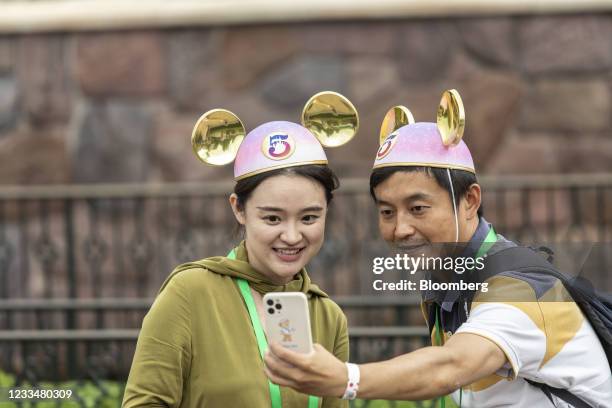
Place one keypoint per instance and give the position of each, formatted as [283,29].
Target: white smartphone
[288,320]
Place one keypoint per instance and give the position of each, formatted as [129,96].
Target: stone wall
[120,106]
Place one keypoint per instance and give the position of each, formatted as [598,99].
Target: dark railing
[79,265]
[122,240]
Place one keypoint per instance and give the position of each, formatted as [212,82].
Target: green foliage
[105,394]
[108,394]
[401,404]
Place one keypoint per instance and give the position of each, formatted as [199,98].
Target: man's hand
[318,373]
[426,373]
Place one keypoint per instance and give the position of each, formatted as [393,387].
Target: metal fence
[79,265]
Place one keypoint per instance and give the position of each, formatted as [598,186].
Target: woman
[199,346]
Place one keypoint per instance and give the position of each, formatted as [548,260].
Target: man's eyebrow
[418,196]
[383,202]
[411,197]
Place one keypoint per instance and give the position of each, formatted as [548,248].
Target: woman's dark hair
[462,180]
[320,173]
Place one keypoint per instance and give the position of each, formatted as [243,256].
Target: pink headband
[275,145]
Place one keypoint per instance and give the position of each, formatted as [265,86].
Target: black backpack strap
[560,393]
[514,259]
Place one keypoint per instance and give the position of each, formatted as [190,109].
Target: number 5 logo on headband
[278,146]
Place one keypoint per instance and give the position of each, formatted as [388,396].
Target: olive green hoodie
[197,347]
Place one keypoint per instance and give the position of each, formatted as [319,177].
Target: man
[493,350]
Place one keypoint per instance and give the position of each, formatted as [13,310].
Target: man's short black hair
[462,180]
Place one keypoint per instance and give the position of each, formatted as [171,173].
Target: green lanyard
[439,343]
[488,242]
[262,343]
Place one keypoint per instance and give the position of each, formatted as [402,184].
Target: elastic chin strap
[450,180]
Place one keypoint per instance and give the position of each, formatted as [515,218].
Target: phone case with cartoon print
[288,320]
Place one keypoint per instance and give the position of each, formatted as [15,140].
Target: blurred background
[101,196]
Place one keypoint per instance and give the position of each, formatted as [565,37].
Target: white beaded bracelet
[352,385]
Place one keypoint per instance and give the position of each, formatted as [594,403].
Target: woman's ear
[472,200]
[238,213]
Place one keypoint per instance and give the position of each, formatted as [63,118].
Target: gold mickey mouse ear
[395,118]
[216,137]
[331,117]
[451,118]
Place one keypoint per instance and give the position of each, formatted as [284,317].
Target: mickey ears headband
[406,143]
[219,133]
[450,119]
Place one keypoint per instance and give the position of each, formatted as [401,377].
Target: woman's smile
[289,254]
